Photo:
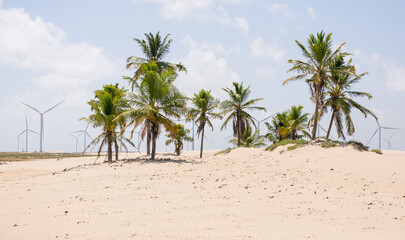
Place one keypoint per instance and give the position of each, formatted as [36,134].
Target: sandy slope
[308,193]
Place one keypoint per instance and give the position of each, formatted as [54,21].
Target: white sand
[308,193]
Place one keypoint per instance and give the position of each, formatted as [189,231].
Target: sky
[65,50]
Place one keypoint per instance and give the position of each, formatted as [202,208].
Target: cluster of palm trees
[154,102]
[329,79]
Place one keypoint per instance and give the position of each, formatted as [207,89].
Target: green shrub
[224,151]
[286,142]
[358,145]
[378,151]
[330,144]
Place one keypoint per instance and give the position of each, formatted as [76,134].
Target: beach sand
[308,193]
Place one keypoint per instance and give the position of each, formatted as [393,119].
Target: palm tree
[236,106]
[107,105]
[288,124]
[251,139]
[154,49]
[317,68]
[339,100]
[154,101]
[177,137]
[297,121]
[278,128]
[202,112]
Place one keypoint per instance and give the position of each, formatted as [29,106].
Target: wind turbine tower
[41,132]
[379,133]
[85,133]
[26,135]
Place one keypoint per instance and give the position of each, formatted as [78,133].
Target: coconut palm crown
[154,49]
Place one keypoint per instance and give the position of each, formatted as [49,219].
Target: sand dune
[307,193]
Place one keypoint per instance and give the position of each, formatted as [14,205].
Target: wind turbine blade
[390,128]
[21,133]
[79,131]
[268,117]
[31,107]
[33,131]
[89,136]
[378,123]
[87,126]
[373,136]
[53,107]
[26,122]
[323,129]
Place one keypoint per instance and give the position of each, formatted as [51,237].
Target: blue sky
[64,50]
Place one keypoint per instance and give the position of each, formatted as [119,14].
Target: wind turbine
[379,133]
[185,120]
[41,132]
[26,134]
[389,143]
[85,133]
[258,122]
[77,139]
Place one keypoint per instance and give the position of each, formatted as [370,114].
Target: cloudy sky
[64,50]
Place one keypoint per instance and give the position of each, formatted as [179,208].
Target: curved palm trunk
[148,137]
[316,114]
[202,142]
[330,124]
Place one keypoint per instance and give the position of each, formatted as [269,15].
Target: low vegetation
[17,156]
[330,144]
[358,145]
[284,142]
[228,150]
[378,151]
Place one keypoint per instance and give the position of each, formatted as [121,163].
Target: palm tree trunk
[238,128]
[154,137]
[202,142]
[316,112]
[330,124]
[109,148]
[116,151]
[177,148]
[148,136]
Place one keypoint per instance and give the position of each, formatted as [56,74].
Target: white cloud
[30,43]
[205,70]
[260,49]
[216,47]
[265,72]
[395,76]
[242,24]
[284,9]
[206,10]
[54,69]
[311,12]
